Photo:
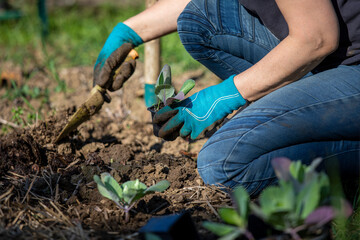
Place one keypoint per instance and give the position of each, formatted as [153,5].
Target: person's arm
[157,20]
[313,35]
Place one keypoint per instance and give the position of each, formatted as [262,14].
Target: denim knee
[210,169]
[213,170]
[195,30]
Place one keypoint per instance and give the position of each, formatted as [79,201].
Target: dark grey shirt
[348,13]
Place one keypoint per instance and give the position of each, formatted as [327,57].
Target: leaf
[230,216]
[131,195]
[320,216]
[324,183]
[104,191]
[187,86]
[233,235]
[158,187]
[281,167]
[219,229]
[160,80]
[164,92]
[308,199]
[167,74]
[162,87]
[133,190]
[275,199]
[241,200]
[310,171]
[111,184]
[297,170]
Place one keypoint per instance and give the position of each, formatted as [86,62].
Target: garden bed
[47,190]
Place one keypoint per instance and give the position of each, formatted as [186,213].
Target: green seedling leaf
[185,89]
[105,191]
[164,76]
[297,170]
[164,92]
[233,235]
[187,86]
[133,190]
[160,80]
[308,199]
[167,74]
[324,183]
[159,187]
[230,216]
[310,171]
[241,201]
[159,90]
[111,184]
[219,229]
[275,199]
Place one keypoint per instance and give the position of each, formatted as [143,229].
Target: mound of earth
[47,190]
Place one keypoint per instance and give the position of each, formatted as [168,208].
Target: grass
[348,229]
[76,35]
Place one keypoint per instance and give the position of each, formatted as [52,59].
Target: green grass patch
[76,35]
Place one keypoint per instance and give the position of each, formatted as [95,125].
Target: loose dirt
[47,190]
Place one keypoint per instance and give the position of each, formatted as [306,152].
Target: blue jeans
[316,116]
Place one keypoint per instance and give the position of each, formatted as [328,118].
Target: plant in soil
[127,194]
[300,206]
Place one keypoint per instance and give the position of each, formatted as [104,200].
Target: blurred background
[71,33]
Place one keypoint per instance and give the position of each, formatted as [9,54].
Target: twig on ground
[7,192]
[72,164]
[13,125]
[212,209]
[66,219]
[46,176]
[17,217]
[16,175]
[29,189]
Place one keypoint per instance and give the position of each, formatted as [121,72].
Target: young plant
[235,219]
[127,194]
[296,203]
[165,91]
[300,204]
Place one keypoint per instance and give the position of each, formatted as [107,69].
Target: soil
[47,190]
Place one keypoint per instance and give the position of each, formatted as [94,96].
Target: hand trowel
[91,106]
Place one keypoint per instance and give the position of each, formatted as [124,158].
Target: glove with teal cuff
[199,113]
[116,48]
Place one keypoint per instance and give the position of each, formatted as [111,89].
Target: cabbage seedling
[235,219]
[165,91]
[126,195]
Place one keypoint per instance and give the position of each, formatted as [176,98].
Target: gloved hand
[200,112]
[119,43]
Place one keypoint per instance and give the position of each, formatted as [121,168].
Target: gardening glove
[116,48]
[200,112]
